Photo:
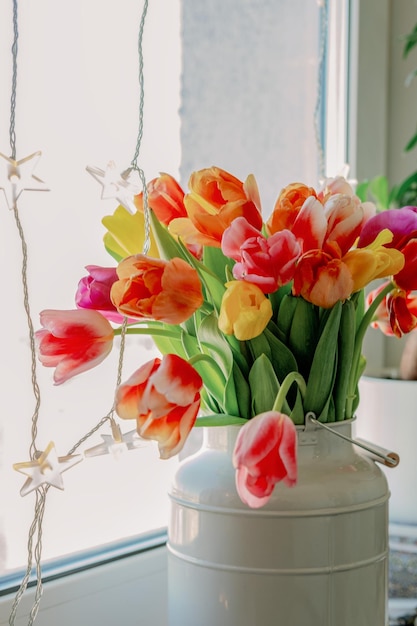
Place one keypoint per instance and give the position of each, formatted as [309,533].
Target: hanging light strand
[134,162]
[12,129]
[318,111]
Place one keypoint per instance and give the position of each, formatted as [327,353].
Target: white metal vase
[316,554]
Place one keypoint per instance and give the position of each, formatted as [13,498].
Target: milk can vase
[316,554]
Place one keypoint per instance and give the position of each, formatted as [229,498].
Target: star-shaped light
[117,443]
[17,176]
[122,186]
[46,469]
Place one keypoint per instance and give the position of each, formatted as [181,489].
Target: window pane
[77,102]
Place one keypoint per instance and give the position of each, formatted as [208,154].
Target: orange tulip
[322,279]
[215,199]
[165,198]
[168,291]
[288,206]
[164,398]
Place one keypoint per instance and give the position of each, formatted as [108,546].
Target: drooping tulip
[265,453]
[164,398]
[73,341]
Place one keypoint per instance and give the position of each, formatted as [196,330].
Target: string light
[45,468]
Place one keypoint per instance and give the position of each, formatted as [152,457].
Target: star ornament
[116,444]
[47,469]
[17,176]
[119,185]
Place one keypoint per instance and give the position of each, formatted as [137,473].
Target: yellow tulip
[126,234]
[245,311]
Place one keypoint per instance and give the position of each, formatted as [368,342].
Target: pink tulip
[93,292]
[265,453]
[164,398]
[73,341]
[265,262]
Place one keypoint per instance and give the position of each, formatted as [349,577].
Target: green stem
[292,377]
[164,332]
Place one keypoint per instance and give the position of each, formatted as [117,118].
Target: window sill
[126,591]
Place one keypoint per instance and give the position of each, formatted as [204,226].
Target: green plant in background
[378,189]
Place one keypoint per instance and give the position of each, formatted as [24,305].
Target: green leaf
[408,185]
[259,345]
[412,143]
[380,192]
[168,247]
[264,385]
[303,335]
[212,342]
[410,42]
[282,358]
[285,314]
[297,414]
[243,393]
[323,368]
[362,190]
[346,342]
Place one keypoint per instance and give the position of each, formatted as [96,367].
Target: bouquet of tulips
[258,321]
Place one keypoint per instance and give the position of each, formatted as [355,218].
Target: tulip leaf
[264,385]
[243,393]
[169,345]
[303,334]
[259,345]
[282,358]
[212,342]
[346,348]
[285,314]
[168,246]
[322,373]
[215,261]
[297,414]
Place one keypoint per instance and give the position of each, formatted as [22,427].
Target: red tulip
[73,341]
[164,398]
[265,453]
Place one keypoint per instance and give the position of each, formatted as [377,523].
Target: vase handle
[377,453]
